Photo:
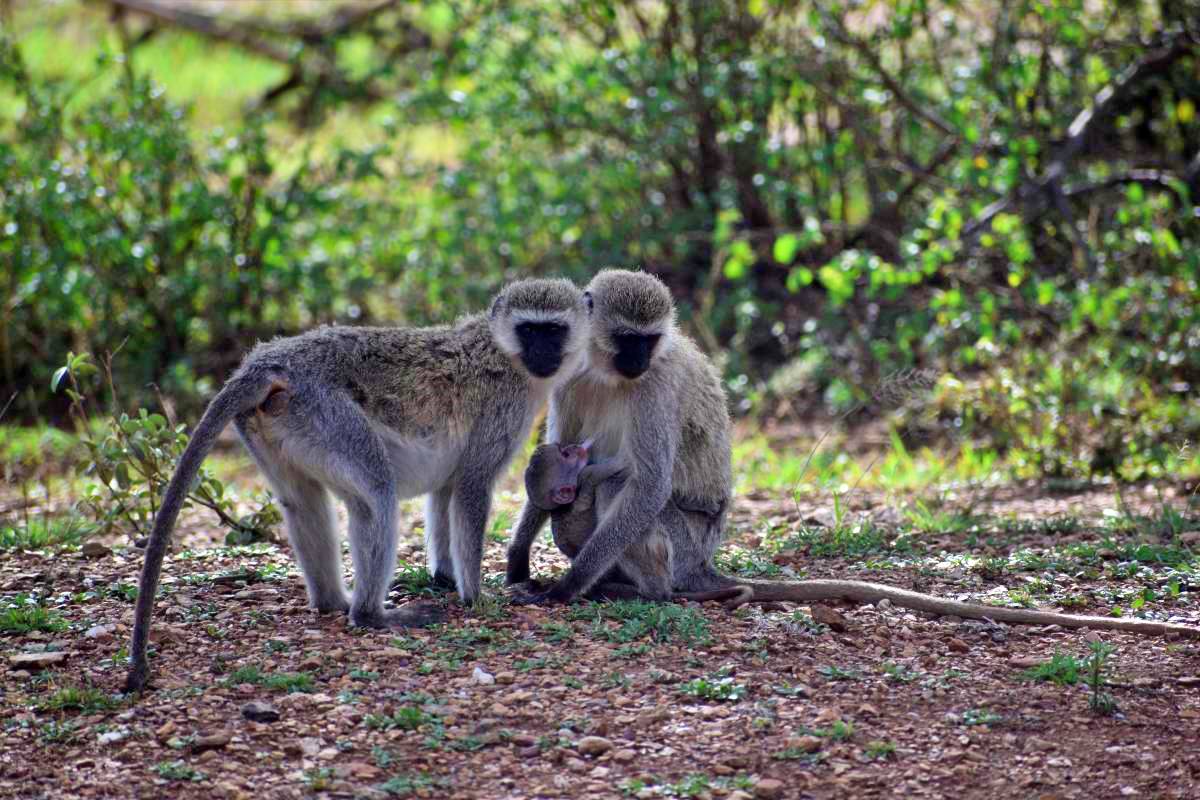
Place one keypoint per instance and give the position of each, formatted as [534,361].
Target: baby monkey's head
[553,474]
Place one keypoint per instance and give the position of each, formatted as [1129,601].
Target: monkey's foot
[416,614]
[334,606]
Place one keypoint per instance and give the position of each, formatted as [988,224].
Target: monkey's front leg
[531,521]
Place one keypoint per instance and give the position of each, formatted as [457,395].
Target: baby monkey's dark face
[553,474]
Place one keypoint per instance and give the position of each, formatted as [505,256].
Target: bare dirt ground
[612,701]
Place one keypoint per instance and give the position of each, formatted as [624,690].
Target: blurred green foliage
[836,192]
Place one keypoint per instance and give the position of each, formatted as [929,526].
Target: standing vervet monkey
[376,415]
[650,400]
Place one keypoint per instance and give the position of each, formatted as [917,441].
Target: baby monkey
[559,480]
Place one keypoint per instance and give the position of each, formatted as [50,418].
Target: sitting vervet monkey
[560,481]
[650,399]
[376,415]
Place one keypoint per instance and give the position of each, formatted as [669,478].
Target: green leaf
[798,278]
[839,284]
[56,379]
[122,475]
[740,258]
[1045,292]
[786,247]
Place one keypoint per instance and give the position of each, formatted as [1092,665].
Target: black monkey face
[542,346]
[634,351]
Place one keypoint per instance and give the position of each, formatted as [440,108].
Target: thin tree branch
[206,25]
[1036,193]
[893,86]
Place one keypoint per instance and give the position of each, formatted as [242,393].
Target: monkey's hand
[534,593]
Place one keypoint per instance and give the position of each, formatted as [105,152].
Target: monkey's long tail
[241,393]
[735,594]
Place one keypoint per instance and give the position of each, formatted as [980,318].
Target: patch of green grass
[660,622]
[289,682]
[714,689]
[58,731]
[694,785]
[1165,524]
[25,446]
[247,674]
[415,579]
[178,771]
[879,750]
[531,664]
[1059,525]
[498,530]
[556,632]
[405,718]
[491,606]
[898,673]
[746,563]
[632,650]
[800,468]
[318,779]
[980,716]
[409,784]
[835,673]
[469,637]
[926,519]
[87,699]
[24,613]
[1095,666]
[46,531]
[838,731]
[848,540]
[796,754]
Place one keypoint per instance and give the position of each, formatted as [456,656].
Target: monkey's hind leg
[647,563]
[329,437]
[309,519]
[437,538]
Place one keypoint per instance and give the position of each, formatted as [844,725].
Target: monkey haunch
[376,415]
[558,478]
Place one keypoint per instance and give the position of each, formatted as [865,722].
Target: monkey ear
[495,309]
[587,298]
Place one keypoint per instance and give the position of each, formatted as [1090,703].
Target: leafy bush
[132,460]
[119,230]
[835,194]
[1003,198]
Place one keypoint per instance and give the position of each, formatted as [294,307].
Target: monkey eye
[543,328]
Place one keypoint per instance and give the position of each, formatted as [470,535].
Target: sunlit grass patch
[45,531]
[851,538]
[804,468]
[23,613]
[661,622]
[86,699]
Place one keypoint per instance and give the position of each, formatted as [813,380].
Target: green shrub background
[839,194]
